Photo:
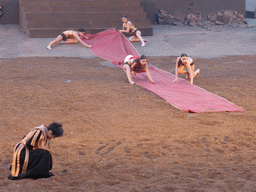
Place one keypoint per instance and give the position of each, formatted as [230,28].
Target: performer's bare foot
[132,82]
[137,40]
[197,72]
[143,44]
[49,47]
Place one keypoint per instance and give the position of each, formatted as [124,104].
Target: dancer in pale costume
[185,61]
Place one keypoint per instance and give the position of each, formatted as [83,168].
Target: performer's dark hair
[56,129]
[124,16]
[143,57]
[183,55]
[81,30]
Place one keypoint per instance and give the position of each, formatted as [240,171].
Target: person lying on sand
[69,37]
[185,61]
[133,65]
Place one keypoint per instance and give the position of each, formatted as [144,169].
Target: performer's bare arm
[133,64]
[80,40]
[127,29]
[176,70]
[148,74]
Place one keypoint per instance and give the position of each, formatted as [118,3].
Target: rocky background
[225,18]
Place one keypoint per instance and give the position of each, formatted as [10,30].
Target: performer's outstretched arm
[80,40]
[176,71]
[149,76]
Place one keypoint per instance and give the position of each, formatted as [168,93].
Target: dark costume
[70,35]
[132,31]
[30,160]
[180,63]
[138,68]
[63,36]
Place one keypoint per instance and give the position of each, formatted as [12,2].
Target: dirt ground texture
[120,137]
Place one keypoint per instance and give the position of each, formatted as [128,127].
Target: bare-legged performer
[133,65]
[69,37]
[128,27]
[185,61]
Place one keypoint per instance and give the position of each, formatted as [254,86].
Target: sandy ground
[120,137]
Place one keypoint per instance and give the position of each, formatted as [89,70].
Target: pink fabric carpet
[114,46]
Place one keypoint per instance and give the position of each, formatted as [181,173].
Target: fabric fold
[114,46]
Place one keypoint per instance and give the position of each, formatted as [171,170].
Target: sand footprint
[105,149]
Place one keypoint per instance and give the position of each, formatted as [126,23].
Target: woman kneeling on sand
[31,159]
[133,65]
[185,61]
[69,37]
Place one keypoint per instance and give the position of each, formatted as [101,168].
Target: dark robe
[39,162]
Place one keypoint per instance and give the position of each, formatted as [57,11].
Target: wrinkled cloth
[114,46]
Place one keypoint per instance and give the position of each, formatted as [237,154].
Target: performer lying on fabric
[30,159]
[128,27]
[133,65]
[185,61]
[69,37]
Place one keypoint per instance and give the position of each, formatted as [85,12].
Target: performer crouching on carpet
[133,65]
[70,37]
[30,159]
[128,27]
[185,61]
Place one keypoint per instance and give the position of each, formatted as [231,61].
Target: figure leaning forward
[30,159]
[133,65]
[183,62]
[70,37]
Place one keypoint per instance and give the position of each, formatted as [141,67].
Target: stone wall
[10,12]
[250,6]
[180,8]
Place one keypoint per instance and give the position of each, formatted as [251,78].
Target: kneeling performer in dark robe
[30,159]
